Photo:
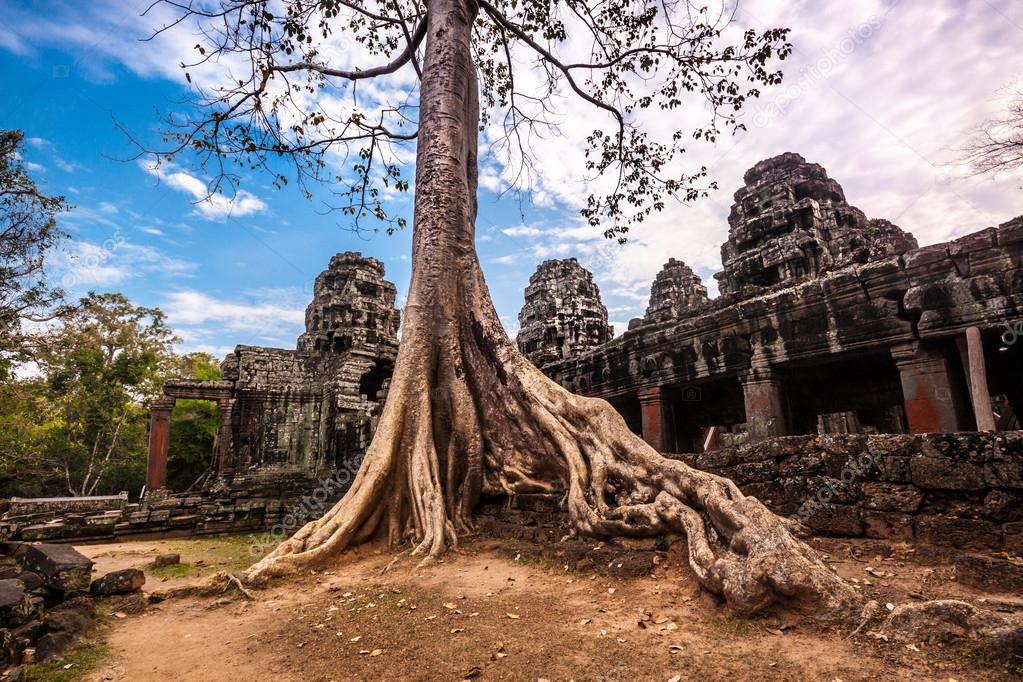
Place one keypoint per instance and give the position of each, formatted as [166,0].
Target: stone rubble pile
[48,599]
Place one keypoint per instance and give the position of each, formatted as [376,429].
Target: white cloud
[85,264]
[212,206]
[522,231]
[271,316]
[67,166]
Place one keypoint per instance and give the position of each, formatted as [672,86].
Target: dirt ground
[487,612]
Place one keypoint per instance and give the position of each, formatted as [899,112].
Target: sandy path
[484,615]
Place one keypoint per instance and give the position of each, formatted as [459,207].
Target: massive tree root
[467,413]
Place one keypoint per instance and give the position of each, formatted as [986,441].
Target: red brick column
[926,389]
[656,410]
[765,409]
[159,439]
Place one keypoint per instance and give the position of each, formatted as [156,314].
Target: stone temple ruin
[294,425]
[833,336]
[846,377]
[563,315]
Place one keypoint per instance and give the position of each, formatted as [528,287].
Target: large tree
[465,411]
[28,233]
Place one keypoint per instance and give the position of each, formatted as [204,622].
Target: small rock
[167,560]
[125,581]
[52,645]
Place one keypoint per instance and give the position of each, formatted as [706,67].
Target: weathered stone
[563,315]
[61,567]
[15,606]
[166,560]
[937,473]
[888,525]
[989,573]
[965,533]
[31,581]
[53,645]
[1013,537]
[791,221]
[676,292]
[837,519]
[123,581]
[891,497]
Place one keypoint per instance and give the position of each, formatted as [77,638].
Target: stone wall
[962,489]
[259,501]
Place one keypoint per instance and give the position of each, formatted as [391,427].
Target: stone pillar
[977,375]
[765,410]
[657,424]
[926,388]
[223,462]
[159,439]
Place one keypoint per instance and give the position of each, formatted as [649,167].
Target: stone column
[223,462]
[656,410]
[926,388]
[765,410]
[159,439]
[977,375]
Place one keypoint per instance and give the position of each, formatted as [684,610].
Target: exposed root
[233,580]
[211,586]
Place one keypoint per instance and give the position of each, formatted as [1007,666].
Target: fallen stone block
[125,581]
[167,560]
[52,646]
[60,566]
[15,606]
[989,573]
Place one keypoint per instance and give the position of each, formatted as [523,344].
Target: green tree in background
[79,424]
[102,365]
[194,426]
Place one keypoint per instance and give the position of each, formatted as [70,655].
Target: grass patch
[182,570]
[75,665]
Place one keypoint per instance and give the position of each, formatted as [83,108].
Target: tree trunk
[466,412]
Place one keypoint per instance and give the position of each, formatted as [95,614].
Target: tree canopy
[28,232]
[332,87]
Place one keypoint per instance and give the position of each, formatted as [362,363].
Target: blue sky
[878,92]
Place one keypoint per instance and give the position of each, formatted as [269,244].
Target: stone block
[890,497]
[989,573]
[15,605]
[167,560]
[837,519]
[1011,232]
[124,581]
[888,525]
[939,473]
[60,566]
[1013,537]
[963,533]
